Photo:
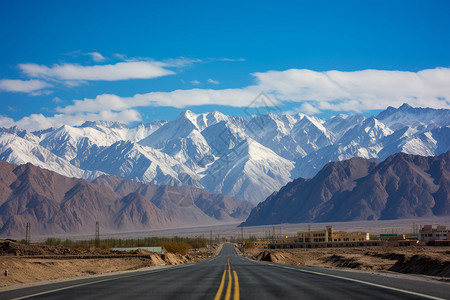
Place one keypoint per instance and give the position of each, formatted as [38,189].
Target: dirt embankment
[434,261]
[21,263]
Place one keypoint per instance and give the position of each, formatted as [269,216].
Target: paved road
[229,276]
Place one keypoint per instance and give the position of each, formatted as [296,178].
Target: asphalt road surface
[230,276]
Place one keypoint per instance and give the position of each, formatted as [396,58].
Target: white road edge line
[360,281]
[99,281]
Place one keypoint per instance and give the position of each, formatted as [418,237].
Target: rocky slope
[402,186]
[54,204]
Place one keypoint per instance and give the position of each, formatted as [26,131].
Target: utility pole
[242,238]
[309,233]
[210,242]
[97,235]
[28,233]
[273,234]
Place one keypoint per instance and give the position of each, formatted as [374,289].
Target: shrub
[249,244]
[176,247]
[52,241]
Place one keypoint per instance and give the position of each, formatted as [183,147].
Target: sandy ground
[432,261]
[28,264]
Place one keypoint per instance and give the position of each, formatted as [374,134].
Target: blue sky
[138,61]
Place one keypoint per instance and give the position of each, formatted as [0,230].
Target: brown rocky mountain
[402,186]
[55,204]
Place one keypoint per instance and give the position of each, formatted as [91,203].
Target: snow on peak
[188,115]
[208,119]
[408,116]
[108,124]
[225,154]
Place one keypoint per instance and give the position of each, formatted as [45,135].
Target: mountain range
[56,204]
[245,159]
[402,186]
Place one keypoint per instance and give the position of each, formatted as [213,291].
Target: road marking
[236,286]
[360,281]
[228,293]
[219,292]
[229,285]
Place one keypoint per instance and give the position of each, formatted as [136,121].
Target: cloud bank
[313,91]
[360,90]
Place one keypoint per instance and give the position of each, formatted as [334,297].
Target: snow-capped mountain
[365,140]
[248,171]
[20,150]
[407,116]
[144,164]
[248,159]
[182,139]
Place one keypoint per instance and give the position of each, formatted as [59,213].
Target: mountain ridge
[202,150]
[55,204]
[401,186]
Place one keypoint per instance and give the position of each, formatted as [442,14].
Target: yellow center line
[228,293]
[222,283]
[230,283]
[236,286]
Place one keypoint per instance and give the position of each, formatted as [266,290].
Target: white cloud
[97,57]
[307,108]
[101,102]
[332,90]
[6,122]
[118,71]
[360,90]
[40,92]
[120,56]
[314,91]
[181,61]
[177,98]
[228,59]
[39,121]
[23,86]
[210,80]
[195,82]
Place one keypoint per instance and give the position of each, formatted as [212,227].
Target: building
[438,235]
[392,236]
[397,240]
[160,249]
[324,238]
[328,235]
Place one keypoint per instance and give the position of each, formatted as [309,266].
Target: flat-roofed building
[328,235]
[428,234]
[324,238]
